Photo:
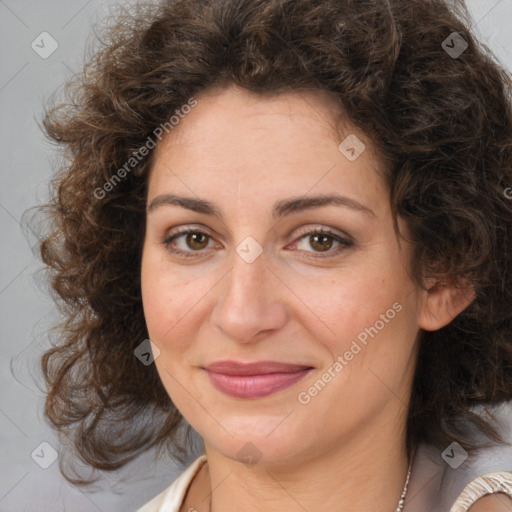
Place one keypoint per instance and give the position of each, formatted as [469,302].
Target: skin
[498,502]
[243,152]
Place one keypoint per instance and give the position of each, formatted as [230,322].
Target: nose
[250,301]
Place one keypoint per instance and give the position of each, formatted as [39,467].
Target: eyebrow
[281,208]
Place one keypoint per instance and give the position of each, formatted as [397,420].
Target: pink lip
[254,380]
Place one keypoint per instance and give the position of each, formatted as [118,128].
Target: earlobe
[442,302]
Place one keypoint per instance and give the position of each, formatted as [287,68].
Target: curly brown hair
[441,122]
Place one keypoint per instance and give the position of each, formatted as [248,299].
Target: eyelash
[344,243]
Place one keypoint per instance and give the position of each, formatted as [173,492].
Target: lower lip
[254,386]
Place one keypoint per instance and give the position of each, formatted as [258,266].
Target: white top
[171,499]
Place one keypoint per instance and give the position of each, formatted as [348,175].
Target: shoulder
[498,502]
[438,485]
[171,498]
[491,492]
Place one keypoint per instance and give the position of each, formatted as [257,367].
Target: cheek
[165,307]
[339,308]
[166,300]
[172,303]
[366,317]
[159,297]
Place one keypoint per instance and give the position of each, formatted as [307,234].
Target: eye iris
[320,245]
[195,238]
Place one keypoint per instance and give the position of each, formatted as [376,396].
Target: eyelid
[173,234]
[320,228]
[302,231]
[344,240]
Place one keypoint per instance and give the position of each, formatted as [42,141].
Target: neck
[368,473]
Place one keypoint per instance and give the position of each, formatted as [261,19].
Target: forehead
[268,145]
[231,107]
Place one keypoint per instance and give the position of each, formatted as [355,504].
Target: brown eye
[321,242]
[187,242]
[196,240]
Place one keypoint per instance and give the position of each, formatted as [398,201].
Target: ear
[443,301]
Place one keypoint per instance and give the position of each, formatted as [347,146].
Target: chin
[262,441]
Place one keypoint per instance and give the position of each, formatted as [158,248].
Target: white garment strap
[486,484]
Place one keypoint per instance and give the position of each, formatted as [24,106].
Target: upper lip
[256,368]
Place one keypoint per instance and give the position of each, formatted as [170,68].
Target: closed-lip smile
[256,379]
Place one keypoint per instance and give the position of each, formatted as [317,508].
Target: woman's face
[256,282]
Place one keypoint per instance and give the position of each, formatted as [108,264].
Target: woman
[216,149]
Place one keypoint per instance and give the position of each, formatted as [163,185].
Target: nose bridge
[246,304]
[244,293]
[246,279]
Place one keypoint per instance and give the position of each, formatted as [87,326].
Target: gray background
[26,81]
